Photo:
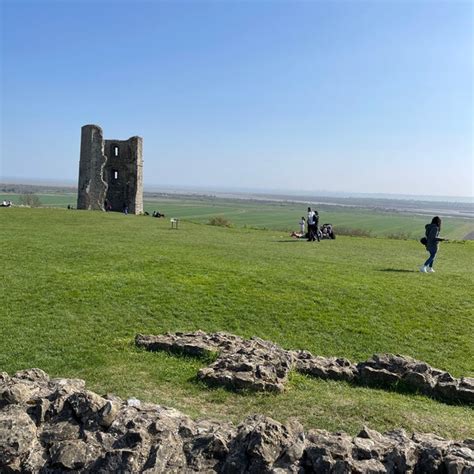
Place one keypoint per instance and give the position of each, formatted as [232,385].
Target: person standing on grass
[303,226]
[432,242]
[316,225]
[310,222]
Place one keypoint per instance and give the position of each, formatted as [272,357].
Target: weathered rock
[394,449]
[368,466]
[465,392]
[261,365]
[88,407]
[388,370]
[39,409]
[256,365]
[459,460]
[209,447]
[196,344]
[17,393]
[60,430]
[62,387]
[73,454]
[166,454]
[378,377]
[22,387]
[431,451]
[326,452]
[324,367]
[119,460]
[87,433]
[58,391]
[400,455]
[32,375]
[252,364]
[262,444]
[17,435]
[107,413]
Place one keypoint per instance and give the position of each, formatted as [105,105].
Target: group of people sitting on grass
[155,214]
[309,228]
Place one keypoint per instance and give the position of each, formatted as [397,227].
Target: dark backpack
[424,241]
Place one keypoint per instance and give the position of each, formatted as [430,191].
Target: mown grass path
[77,286]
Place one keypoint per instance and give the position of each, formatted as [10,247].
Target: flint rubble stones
[72,436]
[388,369]
[324,367]
[261,365]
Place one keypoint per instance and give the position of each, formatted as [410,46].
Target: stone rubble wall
[57,425]
[261,365]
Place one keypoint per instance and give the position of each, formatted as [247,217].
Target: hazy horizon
[165,188]
[359,97]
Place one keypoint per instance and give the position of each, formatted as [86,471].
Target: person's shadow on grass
[290,240]
[397,270]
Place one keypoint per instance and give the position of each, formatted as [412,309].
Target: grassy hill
[77,286]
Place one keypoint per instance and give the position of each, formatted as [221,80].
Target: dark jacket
[432,232]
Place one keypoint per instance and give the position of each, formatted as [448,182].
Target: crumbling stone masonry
[56,425]
[260,365]
[110,172]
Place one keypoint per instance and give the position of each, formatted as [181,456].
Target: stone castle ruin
[110,172]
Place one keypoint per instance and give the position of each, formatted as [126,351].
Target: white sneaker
[430,270]
[423,269]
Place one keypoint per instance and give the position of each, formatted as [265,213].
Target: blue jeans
[429,262]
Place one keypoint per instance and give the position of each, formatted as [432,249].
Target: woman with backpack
[431,241]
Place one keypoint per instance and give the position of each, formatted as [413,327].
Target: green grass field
[283,215]
[78,286]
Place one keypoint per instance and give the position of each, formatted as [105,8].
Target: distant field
[48,200]
[78,286]
[285,216]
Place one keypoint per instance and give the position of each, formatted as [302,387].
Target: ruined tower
[110,172]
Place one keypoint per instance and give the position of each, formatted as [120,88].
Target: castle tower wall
[123,173]
[92,188]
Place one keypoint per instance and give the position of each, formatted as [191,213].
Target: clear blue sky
[346,96]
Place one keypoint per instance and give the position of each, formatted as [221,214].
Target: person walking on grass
[432,242]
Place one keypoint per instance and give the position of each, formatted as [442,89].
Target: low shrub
[399,236]
[29,199]
[352,232]
[220,221]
